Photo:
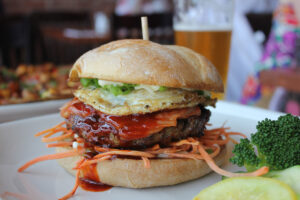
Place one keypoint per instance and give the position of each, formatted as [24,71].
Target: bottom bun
[131,173]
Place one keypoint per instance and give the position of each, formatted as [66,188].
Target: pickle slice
[248,188]
[290,176]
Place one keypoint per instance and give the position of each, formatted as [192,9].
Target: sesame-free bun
[148,63]
[131,173]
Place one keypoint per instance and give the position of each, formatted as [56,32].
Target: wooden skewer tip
[145,30]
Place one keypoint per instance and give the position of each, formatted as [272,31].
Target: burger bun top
[144,62]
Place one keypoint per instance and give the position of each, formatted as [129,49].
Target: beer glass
[205,26]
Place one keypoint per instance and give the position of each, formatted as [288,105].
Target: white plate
[26,110]
[47,180]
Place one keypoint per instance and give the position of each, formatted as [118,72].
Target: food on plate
[277,143]
[139,118]
[290,176]
[34,83]
[248,188]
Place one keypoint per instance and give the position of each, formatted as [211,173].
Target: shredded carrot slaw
[90,162]
[51,129]
[220,171]
[15,195]
[58,138]
[126,153]
[71,153]
[60,144]
[70,194]
[146,162]
[190,148]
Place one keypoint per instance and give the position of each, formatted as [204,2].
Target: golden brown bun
[148,63]
[131,173]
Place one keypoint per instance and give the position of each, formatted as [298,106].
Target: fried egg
[140,101]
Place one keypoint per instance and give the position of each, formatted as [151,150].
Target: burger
[139,117]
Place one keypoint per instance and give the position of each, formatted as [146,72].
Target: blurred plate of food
[22,87]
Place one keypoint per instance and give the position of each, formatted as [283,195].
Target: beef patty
[84,126]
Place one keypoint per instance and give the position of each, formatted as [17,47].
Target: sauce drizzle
[128,127]
[92,186]
[91,181]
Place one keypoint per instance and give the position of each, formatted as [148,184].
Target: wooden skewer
[145,31]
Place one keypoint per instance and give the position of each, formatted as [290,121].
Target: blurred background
[40,39]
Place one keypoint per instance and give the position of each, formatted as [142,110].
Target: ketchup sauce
[91,181]
[128,127]
[131,127]
[93,186]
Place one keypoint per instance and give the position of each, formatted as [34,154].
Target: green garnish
[162,88]
[120,89]
[87,82]
[204,93]
[277,143]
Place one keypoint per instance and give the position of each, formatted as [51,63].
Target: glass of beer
[205,26]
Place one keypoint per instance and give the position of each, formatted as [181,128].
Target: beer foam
[193,27]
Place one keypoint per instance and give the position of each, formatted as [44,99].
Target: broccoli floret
[277,143]
[244,155]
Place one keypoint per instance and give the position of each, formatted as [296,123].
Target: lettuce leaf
[162,88]
[120,89]
[87,82]
[116,90]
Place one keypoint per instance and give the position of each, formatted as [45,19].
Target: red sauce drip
[93,186]
[90,172]
[129,127]
[135,126]
[91,181]
[82,109]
